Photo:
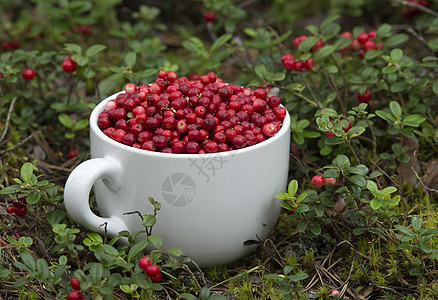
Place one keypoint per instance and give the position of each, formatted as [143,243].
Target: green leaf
[297,276]
[341,161]
[414,120]
[28,260]
[315,229]
[355,131]
[130,59]
[358,180]
[65,120]
[396,55]
[331,173]
[435,87]
[342,43]
[292,188]
[96,272]
[319,210]
[220,41]
[395,109]
[404,230]
[72,48]
[136,249]
[81,60]
[26,171]
[142,280]
[81,124]
[415,272]
[302,209]
[396,39]
[149,220]
[301,226]
[261,71]
[155,241]
[375,204]
[93,50]
[425,247]
[43,268]
[21,282]
[323,52]
[175,252]
[388,190]
[110,250]
[416,224]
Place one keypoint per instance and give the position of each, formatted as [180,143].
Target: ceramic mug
[210,203]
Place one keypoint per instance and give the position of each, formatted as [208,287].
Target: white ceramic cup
[210,203]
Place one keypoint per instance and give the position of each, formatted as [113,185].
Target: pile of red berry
[178,115]
[18,207]
[153,271]
[76,293]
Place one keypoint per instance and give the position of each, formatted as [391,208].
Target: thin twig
[8,119]
[422,183]
[19,144]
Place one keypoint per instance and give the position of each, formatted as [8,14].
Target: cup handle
[77,190]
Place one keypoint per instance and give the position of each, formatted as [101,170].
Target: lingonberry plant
[360,87]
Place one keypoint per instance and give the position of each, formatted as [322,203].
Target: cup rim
[285,128]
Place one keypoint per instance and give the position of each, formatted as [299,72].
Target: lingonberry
[209,16]
[369,45]
[157,278]
[143,262]
[20,211]
[75,283]
[72,153]
[269,130]
[69,66]
[10,209]
[365,97]
[298,40]
[74,295]
[318,180]
[329,181]
[362,37]
[28,74]
[309,63]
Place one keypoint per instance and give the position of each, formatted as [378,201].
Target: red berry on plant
[28,74]
[144,262]
[73,153]
[362,37]
[20,211]
[10,209]
[318,180]
[329,181]
[74,295]
[157,278]
[152,270]
[69,66]
[75,283]
[209,16]
[365,97]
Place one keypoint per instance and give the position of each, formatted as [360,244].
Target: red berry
[318,181]
[298,40]
[73,153]
[289,64]
[152,270]
[329,181]
[28,74]
[362,37]
[309,63]
[20,211]
[144,262]
[69,66]
[74,295]
[157,278]
[10,209]
[130,88]
[209,16]
[347,34]
[75,283]
[365,97]
[269,130]
[369,45]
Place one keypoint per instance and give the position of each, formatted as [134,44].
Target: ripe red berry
[362,37]
[318,180]
[74,295]
[73,153]
[10,209]
[75,283]
[20,211]
[369,45]
[329,181]
[157,278]
[269,130]
[144,262]
[209,16]
[152,270]
[69,66]
[309,63]
[298,40]
[365,97]
[289,64]
[28,74]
